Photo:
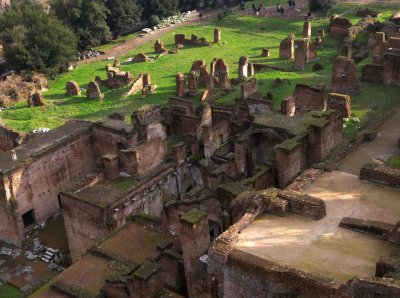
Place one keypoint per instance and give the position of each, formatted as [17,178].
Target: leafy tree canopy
[87,18]
[35,41]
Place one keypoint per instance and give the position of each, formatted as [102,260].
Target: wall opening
[29,218]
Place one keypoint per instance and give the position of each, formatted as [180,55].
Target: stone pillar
[179,153]
[146,282]
[195,238]
[193,83]
[224,83]
[180,85]
[217,35]
[300,54]
[146,79]
[210,83]
[307,29]
[243,63]
[111,166]
[265,52]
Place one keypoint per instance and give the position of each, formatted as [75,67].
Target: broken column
[300,54]
[246,68]
[193,83]
[180,85]
[307,29]
[265,52]
[217,35]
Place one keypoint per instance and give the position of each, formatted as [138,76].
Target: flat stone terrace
[322,247]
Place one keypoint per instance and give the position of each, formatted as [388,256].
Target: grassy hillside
[241,35]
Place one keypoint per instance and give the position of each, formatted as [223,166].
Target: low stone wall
[375,228]
[304,205]
[380,174]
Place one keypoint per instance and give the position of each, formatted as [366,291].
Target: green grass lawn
[9,291]
[241,35]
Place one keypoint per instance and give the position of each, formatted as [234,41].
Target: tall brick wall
[37,185]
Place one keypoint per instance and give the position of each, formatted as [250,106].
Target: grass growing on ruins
[394,161]
[241,35]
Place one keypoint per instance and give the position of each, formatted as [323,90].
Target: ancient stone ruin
[36,100]
[180,39]
[341,103]
[159,47]
[180,85]
[115,78]
[140,58]
[265,52]
[385,67]
[93,91]
[307,29]
[304,52]
[193,83]
[339,26]
[217,35]
[344,76]
[73,88]
[246,69]
[141,84]
[286,48]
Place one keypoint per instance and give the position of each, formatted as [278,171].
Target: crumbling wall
[36,184]
[246,275]
[308,98]
[148,156]
[325,133]
[9,138]
[84,224]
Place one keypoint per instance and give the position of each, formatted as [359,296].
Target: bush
[320,5]
[154,20]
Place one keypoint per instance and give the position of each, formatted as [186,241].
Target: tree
[160,8]
[35,41]
[324,5]
[124,15]
[87,18]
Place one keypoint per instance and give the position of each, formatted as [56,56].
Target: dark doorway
[28,218]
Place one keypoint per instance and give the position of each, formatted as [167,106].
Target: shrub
[323,5]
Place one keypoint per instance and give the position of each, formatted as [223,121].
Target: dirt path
[289,13]
[129,45]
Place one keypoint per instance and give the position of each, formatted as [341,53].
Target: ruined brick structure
[304,99]
[341,103]
[385,67]
[246,69]
[93,91]
[73,88]
[286,48]
[140,58]
[159,47]
[217,35]
[339,26]
[117,78]
[36,100]
[344,76]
